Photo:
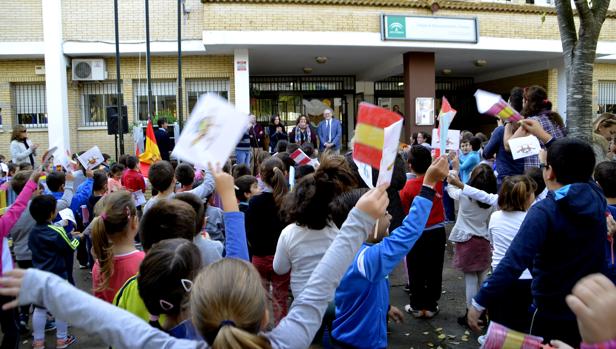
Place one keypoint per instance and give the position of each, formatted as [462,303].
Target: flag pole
[148,58]
[120,134]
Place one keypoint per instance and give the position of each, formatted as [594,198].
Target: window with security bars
[163,100]
[195,88]
[30,104]
[95,98]
[607,97]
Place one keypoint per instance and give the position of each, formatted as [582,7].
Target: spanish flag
[151,154]
[370,137]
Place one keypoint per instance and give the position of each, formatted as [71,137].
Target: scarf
[25,141]
[299,133]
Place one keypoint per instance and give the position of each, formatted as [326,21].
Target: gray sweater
[24,225]
[121,329]
[202,191]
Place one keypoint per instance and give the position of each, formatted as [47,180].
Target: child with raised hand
[263,227]
[562,238]
[228,301]
[470,233]
[52,249]
[605,175]
[515,197]
[113,235]
[362,298]
[162,178]
[165,281]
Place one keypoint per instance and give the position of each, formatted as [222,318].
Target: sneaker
[415,313]
[481,339]
[38,344]
[50,325]
[429,314]
[66,342]
[23,324]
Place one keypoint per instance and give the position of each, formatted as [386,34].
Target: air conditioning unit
[89,69]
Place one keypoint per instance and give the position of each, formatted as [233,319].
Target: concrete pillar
[55,75]
[419,81]
[242,80]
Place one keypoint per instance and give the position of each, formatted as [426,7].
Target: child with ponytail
[113,236]
[165,281]
[263,227]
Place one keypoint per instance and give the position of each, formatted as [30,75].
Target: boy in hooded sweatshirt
[561,240]
[362,298]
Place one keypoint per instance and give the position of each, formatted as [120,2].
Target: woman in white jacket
[22,149]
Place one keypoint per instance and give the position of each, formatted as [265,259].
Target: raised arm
[14,212]
[207,187]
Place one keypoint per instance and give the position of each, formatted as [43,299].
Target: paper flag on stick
[211,133]
[495,105]
[445,117]
[300,157]
[452,141]
[91,158]
[377,135]
[501,337]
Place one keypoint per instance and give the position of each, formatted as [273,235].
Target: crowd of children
[198,258]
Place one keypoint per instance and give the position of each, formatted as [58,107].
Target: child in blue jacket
[52,249]
[605,175]
[362,298]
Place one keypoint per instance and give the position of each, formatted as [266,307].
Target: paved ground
[442,331]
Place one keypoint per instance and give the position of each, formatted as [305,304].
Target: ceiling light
[401,84]
[307,70]
[481,63]
[446,71]
[321,59]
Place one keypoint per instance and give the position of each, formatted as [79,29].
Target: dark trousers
[24,310]
[550,328]
[8,322]
[448,205]
[513,309]
[425,268]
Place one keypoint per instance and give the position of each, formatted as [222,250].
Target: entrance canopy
[367,57]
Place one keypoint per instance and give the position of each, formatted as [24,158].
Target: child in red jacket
[425,260]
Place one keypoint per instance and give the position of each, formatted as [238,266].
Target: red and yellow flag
[151,154]
[369,137]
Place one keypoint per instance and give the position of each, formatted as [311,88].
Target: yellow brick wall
[21,20]
[93,20]
[601,72]
[226,16]
[82,138]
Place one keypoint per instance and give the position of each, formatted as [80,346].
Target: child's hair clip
[166,306]
[187,284]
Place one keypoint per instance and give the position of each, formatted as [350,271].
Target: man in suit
[165,145]
[329,132]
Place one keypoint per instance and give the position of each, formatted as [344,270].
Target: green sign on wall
[395,27]
[430,28]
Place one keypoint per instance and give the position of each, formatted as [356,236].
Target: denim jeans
[243,157]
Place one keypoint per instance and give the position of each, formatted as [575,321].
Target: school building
[283,57]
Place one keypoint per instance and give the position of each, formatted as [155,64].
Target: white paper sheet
[453,139]
[523,147]
[91,158]
[67,214]
[211,133]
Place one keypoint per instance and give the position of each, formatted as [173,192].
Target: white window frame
[105,88]
[30,98]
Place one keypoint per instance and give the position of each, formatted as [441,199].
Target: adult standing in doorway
[329,132]
[276,132]
[165,145]
[303,133]
[256,134]
[22,149]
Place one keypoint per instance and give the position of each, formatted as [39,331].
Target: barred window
[195,88]
[163,99]
[607,97]
[30,104]
[95,98]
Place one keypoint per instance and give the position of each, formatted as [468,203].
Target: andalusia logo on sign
[396,27]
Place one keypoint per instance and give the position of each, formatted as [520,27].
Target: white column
[242,80]
[562,91]
[55,75]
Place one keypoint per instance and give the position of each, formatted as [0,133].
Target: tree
[579,51]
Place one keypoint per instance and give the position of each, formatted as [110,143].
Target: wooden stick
[376,229]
